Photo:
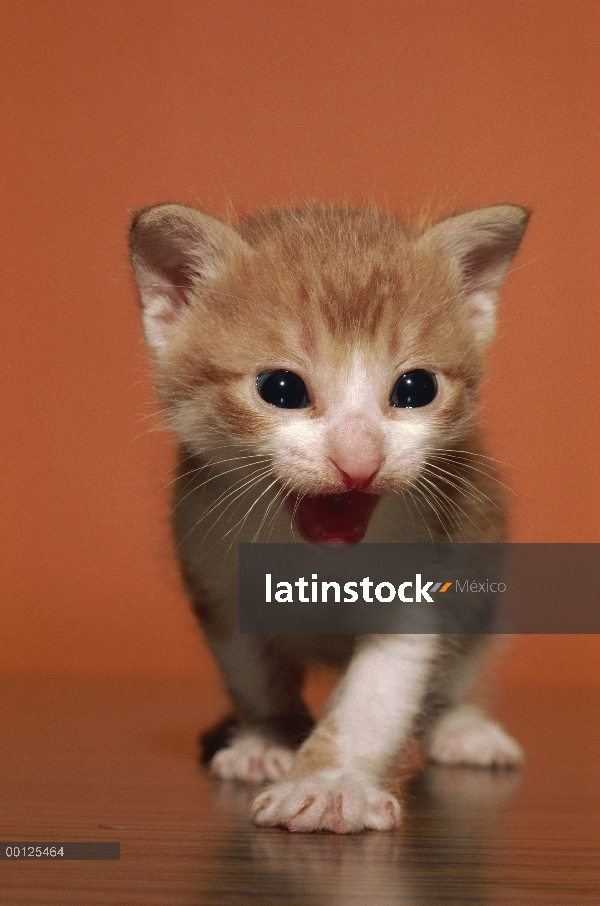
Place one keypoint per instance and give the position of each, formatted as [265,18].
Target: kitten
[320,369]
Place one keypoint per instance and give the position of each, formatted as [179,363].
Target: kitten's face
[335,345]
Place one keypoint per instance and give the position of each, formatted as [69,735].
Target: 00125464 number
[28,851]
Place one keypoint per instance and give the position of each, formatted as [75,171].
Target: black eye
[414,389]
[283,389]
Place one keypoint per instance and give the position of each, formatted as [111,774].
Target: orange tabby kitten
[320,369]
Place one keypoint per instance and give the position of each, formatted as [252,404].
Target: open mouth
[333,518]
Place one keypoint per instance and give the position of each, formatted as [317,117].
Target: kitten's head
[335,343]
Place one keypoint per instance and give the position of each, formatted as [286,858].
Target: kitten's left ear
[483,244]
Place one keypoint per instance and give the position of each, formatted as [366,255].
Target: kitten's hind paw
[343,804]
[253,759]
[466,736]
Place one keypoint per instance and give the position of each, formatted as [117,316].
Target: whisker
[241,522]
[468,489]
[432,493]
[277,511]
[410,512]
[491,475]
[211,465]
[299,499]
[203,485]
[243,486]
[266,513]
[438,491]
[425,523]
[237,489]
[473,455]
[424,495]
[245,517]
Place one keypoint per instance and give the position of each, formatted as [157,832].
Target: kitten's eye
[283,389]
[414,389]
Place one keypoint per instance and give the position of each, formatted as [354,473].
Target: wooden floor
[108,759]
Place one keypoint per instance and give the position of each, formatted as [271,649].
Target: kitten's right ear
[175,252]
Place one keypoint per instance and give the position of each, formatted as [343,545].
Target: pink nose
[356,451]
[355,480]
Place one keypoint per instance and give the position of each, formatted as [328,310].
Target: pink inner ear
[171,263]
[483,275]
[164,299]
[481,267]
[162,309]
[174,302]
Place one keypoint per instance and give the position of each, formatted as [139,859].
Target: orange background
[110,106]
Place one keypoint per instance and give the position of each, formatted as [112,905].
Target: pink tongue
[334,518]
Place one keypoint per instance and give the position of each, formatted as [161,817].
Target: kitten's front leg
[335,781]
[272,717]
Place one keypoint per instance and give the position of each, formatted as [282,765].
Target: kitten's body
[351,302]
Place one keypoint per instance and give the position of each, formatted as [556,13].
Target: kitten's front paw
[252,759]
[341,803]
[465,736]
